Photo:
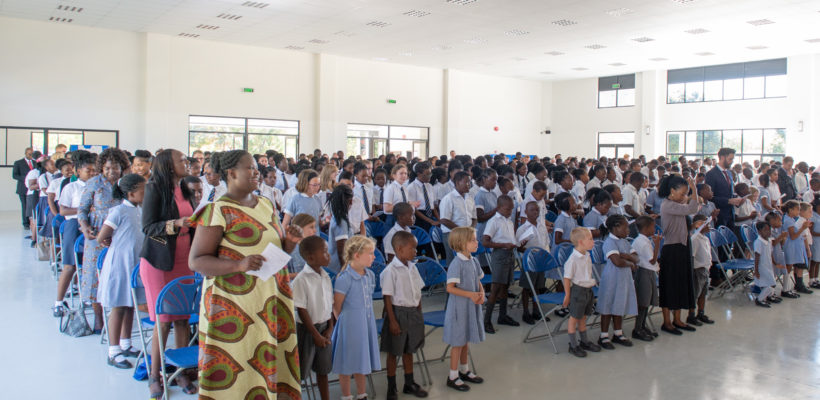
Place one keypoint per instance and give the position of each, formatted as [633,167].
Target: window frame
[738,152]
[389,137]
[615,146]
[45,132]
[723,84]
[618,91]
[245,134]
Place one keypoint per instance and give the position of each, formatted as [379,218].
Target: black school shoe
[414,389]
[457,384]
[674,330]
[605,344]
[815,285]
[474,379]
[790,295]
[528,318]
[685,327]
[705,319]
[562,312]
[803,289]
[641,334]
[774,300]
[507,320]
[577,351]
[763,304]
[693,320]
[124,364]
[488,327]
[589,346]
[622,340]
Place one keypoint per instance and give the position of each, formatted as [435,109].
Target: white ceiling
[498,37]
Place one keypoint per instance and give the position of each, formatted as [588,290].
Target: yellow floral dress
[247,333]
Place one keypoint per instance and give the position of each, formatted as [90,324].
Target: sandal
[190,388]
[155,395]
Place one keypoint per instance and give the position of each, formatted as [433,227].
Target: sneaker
[762,304]
[589,346]
[414,389]
[577,351]
[507,320]
[705,319]
[693,320]
[622,340]
[605,343]
[457,384]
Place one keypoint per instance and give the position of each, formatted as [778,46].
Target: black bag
[159,251]
[74,324]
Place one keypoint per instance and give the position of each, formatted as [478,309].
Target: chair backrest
[329,271]
[431,271]
[375,229]
[716,238]
[551,216]
[539,260]
[377,268]
[180,297]
[379,257]
[101,258]
[481,250]
[136,280]
[562,251]
[727,234]
[324,236]
[748,233]
[597,253]
[79,244]
[422,237]
[57,222]
[436,235]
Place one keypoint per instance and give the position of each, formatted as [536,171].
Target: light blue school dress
[488,201]
[594,219]
[336,231]
[355,342]
[123,255]
[302,204]
[564,224]
[794,249]
[616,295]
[815,240]
[765,268]
[463,320]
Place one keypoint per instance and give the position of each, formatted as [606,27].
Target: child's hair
[562,201]
[501,182]
[701,187]
[265,171]
[804,206]
[356,245]
[183,185]
[304,178]
[699,217]
[773,215]
[599,196]
[310,245]
[761,224]
[577,173]
[643,221]
[402,209]
[636,178]
[125,185]
[578,233]
[670,183]
[789,205]
[62,163]
[83,158]
[303,219]
[402,238]
[359,167]
[504,200]
[740,187]
[539,186]
[459,237]
[615,220]
[752,189]
[559,175]
[143,154]
[339,199]
[346,175]
[459,176]
[397,168]
[438,174]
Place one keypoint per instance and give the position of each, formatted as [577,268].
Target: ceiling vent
[564,22]
[208,27]
[697,31]
[555,53]
[255,4]
[460,2]
[417,13]
[188,35]
[658,59]
[516,32]
[58,19]
[377,24]
[318,41]
[643,39]
[705,53]
[757,47]
[683,1]
[68,8]
[232,17]
[345,34]
[595,46]
[620,12]
[759,22]
[475,40]
[292,47]
[580,69]
[617,64]
[442,47]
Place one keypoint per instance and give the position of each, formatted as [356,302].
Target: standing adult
[166,224]
[785,180]
[19,171]
[97,199]
[721,180]
[676,287]
[258,357]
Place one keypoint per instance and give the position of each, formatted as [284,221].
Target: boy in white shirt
[633,203]
[647,246]
[532,233]
[578,296]
[403,212]
[702,259]
[499,235]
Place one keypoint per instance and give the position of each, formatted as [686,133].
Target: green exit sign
[391,101]
[616,85]
[247,90]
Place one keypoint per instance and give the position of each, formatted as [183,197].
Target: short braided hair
[223,161]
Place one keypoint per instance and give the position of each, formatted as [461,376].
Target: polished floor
[750,353]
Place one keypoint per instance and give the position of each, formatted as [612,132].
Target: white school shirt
[744,210]
[458,209]
[542,208]
[402,283]
[71,195]
[416,193]
[313,292]
[500,229]
[513,194]
[388,238]
[33,174]
[808,196]
[633,199]
[442,190]
[645,249]
[742,179]
[579,190]
[273,194]
[541,239]
[43,181]
[473,189]
[547,181]
[593,183]
[392,194]
[801,182]
[774,194]
[281,177]
[54,187]
[356,215]
[361,192]
[701,251]
[219,191]
[288,195]
[578,269]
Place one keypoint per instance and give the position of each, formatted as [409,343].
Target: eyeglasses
[314,184]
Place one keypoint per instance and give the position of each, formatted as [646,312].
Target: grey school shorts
[581,300]
[646,287]
[311,357]
[701,278]
[411,338]
[502,263]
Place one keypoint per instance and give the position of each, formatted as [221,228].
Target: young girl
[306,200]
[805,215]
[775,221]
[745,213]
[764,265]
[191,188]
[122,234]
[616,297]
[766,204]
[815,245]
[564,224]
[463,321]
[355,343]
[615,192]
[308,225]
[595,220]
[396,192]
[339,231]
[268,188]
[794,247]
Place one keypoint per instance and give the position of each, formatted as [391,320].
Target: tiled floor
[750,353]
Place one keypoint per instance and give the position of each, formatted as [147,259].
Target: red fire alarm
[495,128]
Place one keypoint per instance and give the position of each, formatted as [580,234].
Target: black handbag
[160,255]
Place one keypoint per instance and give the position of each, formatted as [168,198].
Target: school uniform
[335,232]
[538,238]
[564,224]
[744,210]
[578,269]
[463,321]
[458,209]
[211,193]
[810,195]
[365,195]
[521,182]
[32,196]
[528,191]
[646,277]
[301,203]
[313,292]
[486,201]
[70,197]
[774,194]
[594,219]
[815,242]
[123,255]
[395,193]
[424,194]
[388,238]
[765,267]
[442,190]
[579,191]
[273,194]
[594,183]
[701,262]
[632,198]
[356,215]
[616,295]
[403,283]
[500,229]
[706,209]
[513,194]
[801,182]
[794,249]
[355,341]
[378,195]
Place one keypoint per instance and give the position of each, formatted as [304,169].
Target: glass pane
[216,124]
[675,93]
[694,92]
[63,137]
[770,158]
[753,87]
[401,148]
[626,97]
[258,144]
[732,139]
[733,89]
[752,141]
[774,141]
[608,152]
[359,146]
[273,126]
[674,157]
[379,147]
[367,130]
[408,132]
[420,149]
[694,142]
[291,147]
[213,141]
[713,90]
[711,141]
[3,146]
[620,151]
[674,142]
[38,141]
[616,138]
[776,86]
[607,98]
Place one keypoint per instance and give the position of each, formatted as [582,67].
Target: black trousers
[23,210]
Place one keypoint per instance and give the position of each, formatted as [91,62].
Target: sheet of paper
[526,234]
[705,223]
[275,260]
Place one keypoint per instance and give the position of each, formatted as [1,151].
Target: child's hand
[656,238]
[566,300]
[510,246]
[478,298]
[753,214]
[415,203]
[321,341]
[107,242]
[757,274]
[251,263]
[395,329]
[435,223]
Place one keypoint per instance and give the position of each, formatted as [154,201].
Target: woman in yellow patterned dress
[247,333]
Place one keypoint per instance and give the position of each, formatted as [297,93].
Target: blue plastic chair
[144,324]
[179,297]
[551,216]
[377,267]
[740,268]
[324,236]
[538,260]
[375,229]
[56,248]
[423,239]
[431,272]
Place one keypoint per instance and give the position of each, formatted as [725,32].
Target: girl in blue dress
[815,245]
[616,296]
[355,342]
[122,234]
[795,245]
[339,230]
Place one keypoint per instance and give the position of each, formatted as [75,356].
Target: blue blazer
[722,191]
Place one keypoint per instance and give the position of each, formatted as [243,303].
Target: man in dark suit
[721,179]
[19,170]
[785,179]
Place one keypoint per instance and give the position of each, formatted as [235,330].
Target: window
[14,140]
[749,144]
[751,80]
[374,140]
[615,144]
[616,91]
[255,135]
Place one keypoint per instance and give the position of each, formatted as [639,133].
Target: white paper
[525,234]
[705,223]
[275,260]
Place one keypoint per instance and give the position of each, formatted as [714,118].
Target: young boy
[578,296]
[647,246]
[457,210]
[308,225]
[379,182]
[702,259]
[708,208]
[486,201]
[403,212]
[499,235]
[813,192]
[764,265]
[313,300]
[533,234]
[633,203]
[268,188]
[420,190]
[403,333]
[360,187]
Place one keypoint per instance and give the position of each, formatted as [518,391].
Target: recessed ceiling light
[759,22]
[815,40]
[617,64]
[657,59]
[68,8]
[293,47]
[697,31]
[318,41]
[580,69]
[643,39]
[461,2]
[564,22]
[442,47]
[475,40]
[417,13]
[255,4]
[757,47]
[554,53]
[517,32]
[58,19]
[208,27]
[188,35]
[595,46]
[233,17]
[378,24]
[705,53]
[519,58]
[619,12]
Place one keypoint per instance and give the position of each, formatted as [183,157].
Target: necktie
[426,198]
[285,181]
[29,164]
[403,196]
[381,195]
[364,199]
[211,195]
[728,179]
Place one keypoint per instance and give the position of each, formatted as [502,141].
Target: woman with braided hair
[247,327]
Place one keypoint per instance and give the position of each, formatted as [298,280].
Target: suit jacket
[786,185]
[18,172]
[722,191]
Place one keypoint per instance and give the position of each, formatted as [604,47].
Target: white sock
[453,374]
[463,368]
[347,397]
[619,332]
[115,353]
[58,303]
[605,336]
[125,344]
[361,396]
